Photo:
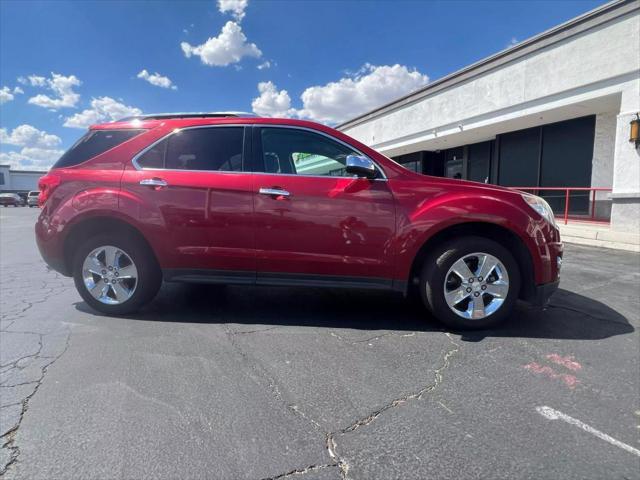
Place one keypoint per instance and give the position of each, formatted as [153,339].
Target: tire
[480,304]
[131,294]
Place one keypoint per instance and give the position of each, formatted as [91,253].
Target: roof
[164,116]
[586,21]
[189,120]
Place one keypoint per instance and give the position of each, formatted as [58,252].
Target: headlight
[540,206]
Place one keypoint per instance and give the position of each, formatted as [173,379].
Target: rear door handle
[274,192]
[153,182]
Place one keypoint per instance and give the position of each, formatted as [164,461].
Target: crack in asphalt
[15,312]
[260,372]
[14,363]
[301,471]
[412,396]
[372,339]
[330,441]
[9,437]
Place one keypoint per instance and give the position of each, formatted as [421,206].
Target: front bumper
[543,293]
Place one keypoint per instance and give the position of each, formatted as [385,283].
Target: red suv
[233,199]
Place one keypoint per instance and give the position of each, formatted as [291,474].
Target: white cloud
[230,46]
[350,96]
[235,7]
[31,158]
[39,148]
[512,42]
[157,79]
[61,86]
[33,80]
[29,136]
[271,102]
[264,65]
[103,109]
[5,95]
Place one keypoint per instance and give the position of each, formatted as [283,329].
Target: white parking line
[552,414]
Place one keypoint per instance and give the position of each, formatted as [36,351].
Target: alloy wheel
[476,286]
[109,275]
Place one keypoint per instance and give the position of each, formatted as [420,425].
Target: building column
[625,210]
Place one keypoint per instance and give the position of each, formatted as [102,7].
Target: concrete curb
[600,236]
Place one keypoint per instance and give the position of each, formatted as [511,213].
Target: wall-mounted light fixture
[634,131]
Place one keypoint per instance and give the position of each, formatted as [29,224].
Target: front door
[313,220]
[193,187]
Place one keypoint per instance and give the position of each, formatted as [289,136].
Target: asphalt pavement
[236,382]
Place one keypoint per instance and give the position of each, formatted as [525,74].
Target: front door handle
[153,182]
[274,192]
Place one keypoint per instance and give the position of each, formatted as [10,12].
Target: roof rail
[163,116]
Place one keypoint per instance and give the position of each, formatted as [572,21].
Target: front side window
[287,150]
[216,149]
[93,143]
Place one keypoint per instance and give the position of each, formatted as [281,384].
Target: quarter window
[92,144]
[304,153]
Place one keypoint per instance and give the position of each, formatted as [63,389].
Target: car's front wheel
[470,283]
[115,274]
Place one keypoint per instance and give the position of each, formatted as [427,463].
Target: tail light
[47,185]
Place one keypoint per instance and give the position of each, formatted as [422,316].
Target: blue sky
[323,60]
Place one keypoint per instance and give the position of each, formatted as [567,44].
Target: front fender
[436,214]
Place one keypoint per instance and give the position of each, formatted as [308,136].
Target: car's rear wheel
[115,274]
[470,283]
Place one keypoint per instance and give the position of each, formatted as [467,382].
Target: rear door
[198,200]
[313,220]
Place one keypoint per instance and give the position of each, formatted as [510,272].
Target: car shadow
[568,316]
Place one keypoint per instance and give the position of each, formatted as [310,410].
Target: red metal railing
[592,213]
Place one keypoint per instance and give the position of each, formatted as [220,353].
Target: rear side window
[154,157]
[94,143]
[216,149]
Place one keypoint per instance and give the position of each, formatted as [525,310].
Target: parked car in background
[32,198]
[12,199]
[221,198]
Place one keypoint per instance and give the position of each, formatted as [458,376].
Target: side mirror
[360,166]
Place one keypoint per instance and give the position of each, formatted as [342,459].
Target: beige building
[551,111]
